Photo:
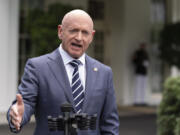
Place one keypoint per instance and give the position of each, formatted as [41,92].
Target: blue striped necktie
[77,87]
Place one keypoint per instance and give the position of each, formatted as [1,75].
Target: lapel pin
[95,69]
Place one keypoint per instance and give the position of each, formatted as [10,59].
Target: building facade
[120,26]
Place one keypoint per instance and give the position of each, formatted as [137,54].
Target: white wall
[129,24]
[9,10]
[137,30]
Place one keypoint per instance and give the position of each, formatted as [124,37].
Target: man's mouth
[76,45]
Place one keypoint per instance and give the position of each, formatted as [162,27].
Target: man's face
[76,35]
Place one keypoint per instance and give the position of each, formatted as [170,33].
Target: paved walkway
[136,110]
[138,125]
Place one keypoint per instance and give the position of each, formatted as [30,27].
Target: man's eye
[73,31]
[85,32]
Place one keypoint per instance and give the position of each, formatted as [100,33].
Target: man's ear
[60,31]
[92,35]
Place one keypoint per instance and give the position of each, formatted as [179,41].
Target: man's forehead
[77,25]
[76,14]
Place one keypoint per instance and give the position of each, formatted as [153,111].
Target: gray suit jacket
[45,86]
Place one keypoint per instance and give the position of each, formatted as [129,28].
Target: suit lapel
[90,82]
[56,65]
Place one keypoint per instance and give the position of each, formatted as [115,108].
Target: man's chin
[76,55]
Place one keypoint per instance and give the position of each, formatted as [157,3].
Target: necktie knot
[75,63]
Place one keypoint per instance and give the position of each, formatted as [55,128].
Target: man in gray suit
[67,75]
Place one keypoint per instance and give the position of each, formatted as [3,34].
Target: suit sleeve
[28,88]
[109,123]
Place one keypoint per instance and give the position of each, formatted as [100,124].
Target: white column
[174,71]
[175,10]
[9,10]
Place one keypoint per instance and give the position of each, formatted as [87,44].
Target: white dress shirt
[69,69]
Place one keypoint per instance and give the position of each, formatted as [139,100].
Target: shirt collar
[67,58]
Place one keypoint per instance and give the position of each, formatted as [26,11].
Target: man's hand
[17,112]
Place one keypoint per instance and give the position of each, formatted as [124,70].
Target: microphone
[66,108]
[70,123]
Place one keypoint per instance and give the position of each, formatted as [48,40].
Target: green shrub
[169,108]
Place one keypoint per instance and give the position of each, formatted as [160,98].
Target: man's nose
[79,36]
